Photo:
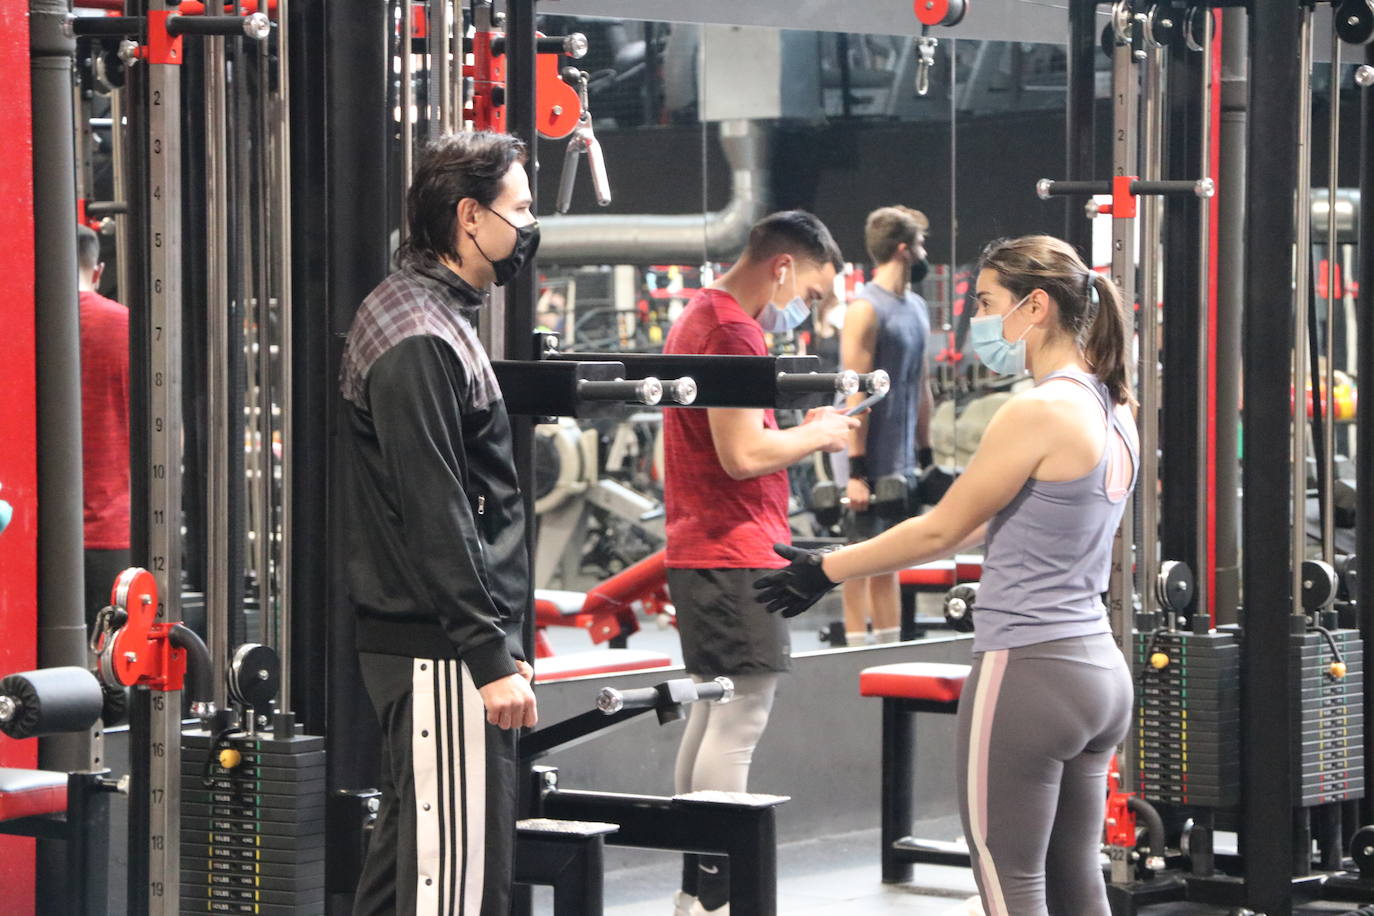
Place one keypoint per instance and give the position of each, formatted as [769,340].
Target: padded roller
[50,701]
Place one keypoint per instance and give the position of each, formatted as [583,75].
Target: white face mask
[776,320]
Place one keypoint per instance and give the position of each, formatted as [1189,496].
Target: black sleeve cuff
[489,661]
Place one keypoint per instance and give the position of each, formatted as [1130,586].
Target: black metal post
[57,330]
[1182,351]
[61,588]
[1230,304]
[1364,428]
[354,254]
[315,355]
[523,292]
[1266,669]
[1080,117]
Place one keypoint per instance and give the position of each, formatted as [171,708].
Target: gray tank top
[900,350]
[1048,551]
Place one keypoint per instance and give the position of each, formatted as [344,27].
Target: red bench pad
[929,575]
[24,793]
[604,661]
[914,681]
[556,601]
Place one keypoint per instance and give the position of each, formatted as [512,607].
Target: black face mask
[526,244]
[919,271]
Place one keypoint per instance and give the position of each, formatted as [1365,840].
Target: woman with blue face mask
[1049,696]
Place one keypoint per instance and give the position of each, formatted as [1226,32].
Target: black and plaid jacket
[437,566]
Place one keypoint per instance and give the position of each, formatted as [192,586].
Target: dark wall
[844,169]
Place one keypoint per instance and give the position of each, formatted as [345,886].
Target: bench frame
[900,850]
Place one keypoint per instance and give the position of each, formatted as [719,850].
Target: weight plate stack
[252,824]
[1328,757]
[1187,734]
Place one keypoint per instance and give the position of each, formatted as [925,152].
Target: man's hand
[796,586]
[858,493]
[510,701]
[832,425]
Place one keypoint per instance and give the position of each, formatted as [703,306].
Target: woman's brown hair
[1090,306]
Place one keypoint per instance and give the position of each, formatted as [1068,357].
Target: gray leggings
[717,748]
[1037,727]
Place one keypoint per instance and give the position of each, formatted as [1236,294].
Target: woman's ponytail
[1106,346]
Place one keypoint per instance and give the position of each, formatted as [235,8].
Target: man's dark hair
[87,247]
[451,167]
[793,232]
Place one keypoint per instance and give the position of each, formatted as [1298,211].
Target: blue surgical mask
[776,320]
[996,352]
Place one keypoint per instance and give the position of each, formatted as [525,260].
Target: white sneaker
[699,910]
[682,903]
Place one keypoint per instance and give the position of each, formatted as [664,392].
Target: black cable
[1331,641]
[207,778]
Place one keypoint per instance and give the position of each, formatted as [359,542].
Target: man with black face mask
[886,327]
[437,568]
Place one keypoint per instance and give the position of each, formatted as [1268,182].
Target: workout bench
[74,807]
[907,689]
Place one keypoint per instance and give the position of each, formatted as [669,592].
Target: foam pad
[929,575]
[24,793]
[558,601]
[604,661]
[935,681]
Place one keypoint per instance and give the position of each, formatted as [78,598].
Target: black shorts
[724,629]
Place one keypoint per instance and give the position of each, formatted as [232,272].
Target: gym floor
[839,876]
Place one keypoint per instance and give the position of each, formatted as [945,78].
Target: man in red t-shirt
[726,498]
[104,427]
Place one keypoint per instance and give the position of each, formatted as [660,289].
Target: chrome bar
[1303,262]
[1148,316]
[1202,578]
[218,381]
[281,123]
[1329,348]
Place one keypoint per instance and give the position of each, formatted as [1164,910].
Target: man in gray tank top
[886,327]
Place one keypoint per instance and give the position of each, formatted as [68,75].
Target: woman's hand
[798,585]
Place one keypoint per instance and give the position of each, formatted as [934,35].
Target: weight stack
[1187,736]
[252,833]
[1328,758]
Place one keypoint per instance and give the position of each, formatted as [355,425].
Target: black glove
[796,586]
[925,457]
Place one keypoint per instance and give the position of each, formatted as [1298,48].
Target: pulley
[254,676]
[940,12]
[1354,21]
[1174,586]
[1319,586]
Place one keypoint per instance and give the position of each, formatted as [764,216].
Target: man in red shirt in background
[104,427]
[726,495]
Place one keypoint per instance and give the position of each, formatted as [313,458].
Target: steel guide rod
[1121,590]
[218,381]
[439,97]
[1148,317]
[407,101]
[1202,580]
[157,889]
[280,139]
[1303,288]
[120,179]
[1328,403]
[264,390]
